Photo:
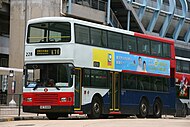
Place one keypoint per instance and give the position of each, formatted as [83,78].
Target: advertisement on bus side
[126,61]
[183,85]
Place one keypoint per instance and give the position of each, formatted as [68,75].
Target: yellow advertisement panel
[103,58]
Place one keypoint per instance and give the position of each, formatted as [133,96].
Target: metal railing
[100,5]
[114,21]
[96,4]
[10,104]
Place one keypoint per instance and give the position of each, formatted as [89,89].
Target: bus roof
[100,26]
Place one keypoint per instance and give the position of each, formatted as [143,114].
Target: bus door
[114,91]
[78,74]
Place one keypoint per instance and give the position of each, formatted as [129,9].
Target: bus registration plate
[45,107]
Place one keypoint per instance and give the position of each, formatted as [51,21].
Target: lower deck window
[142,82]
[95,78]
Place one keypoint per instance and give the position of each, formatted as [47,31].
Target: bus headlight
[63,99]
[29,99]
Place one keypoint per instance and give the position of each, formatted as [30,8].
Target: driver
[51,82]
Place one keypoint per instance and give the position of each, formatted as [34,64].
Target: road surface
[111,122]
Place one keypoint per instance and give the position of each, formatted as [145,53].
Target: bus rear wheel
[157,109]
[96,108]
[143,109]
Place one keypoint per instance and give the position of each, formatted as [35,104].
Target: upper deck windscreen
[49,32]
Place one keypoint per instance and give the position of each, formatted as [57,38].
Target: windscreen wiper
[35,87]
[57,87]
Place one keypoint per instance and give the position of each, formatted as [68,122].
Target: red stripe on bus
[145,73]
[154,38]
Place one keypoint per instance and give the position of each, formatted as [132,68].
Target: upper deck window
[98,37]
[143,46]
[129,43]
[49,32]
[166,50]
[114,40]
[156,48]
[82,34]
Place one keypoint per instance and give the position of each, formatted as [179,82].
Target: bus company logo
[46,90]
[109,59]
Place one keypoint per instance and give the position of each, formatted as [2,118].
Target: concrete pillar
[35,8]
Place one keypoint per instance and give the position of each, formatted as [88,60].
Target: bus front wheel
[96,108]
[143,109]
[52,116]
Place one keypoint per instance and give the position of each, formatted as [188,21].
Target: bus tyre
[52,116]
[157,109]
[64,115]
[96,108]
[184,110]
[143,109]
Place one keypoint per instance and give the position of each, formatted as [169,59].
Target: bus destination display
[47,51]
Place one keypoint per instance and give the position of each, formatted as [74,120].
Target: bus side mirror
[25,71]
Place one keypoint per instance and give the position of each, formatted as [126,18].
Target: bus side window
[178,66]
[114,40]
[86,77]
[126,83]
[82,34]
[143,46]
[156,48]
[132,81]
[166,50]
[166,85]
[95,36]
[98,37]
[158,84]
[125,42]
[153,85]
[131,44]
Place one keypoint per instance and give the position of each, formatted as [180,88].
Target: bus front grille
[46,99]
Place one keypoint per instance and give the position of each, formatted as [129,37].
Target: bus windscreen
[49,32]
[48,75]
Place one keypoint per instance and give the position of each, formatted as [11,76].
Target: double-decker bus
[88,68]
[182,82]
